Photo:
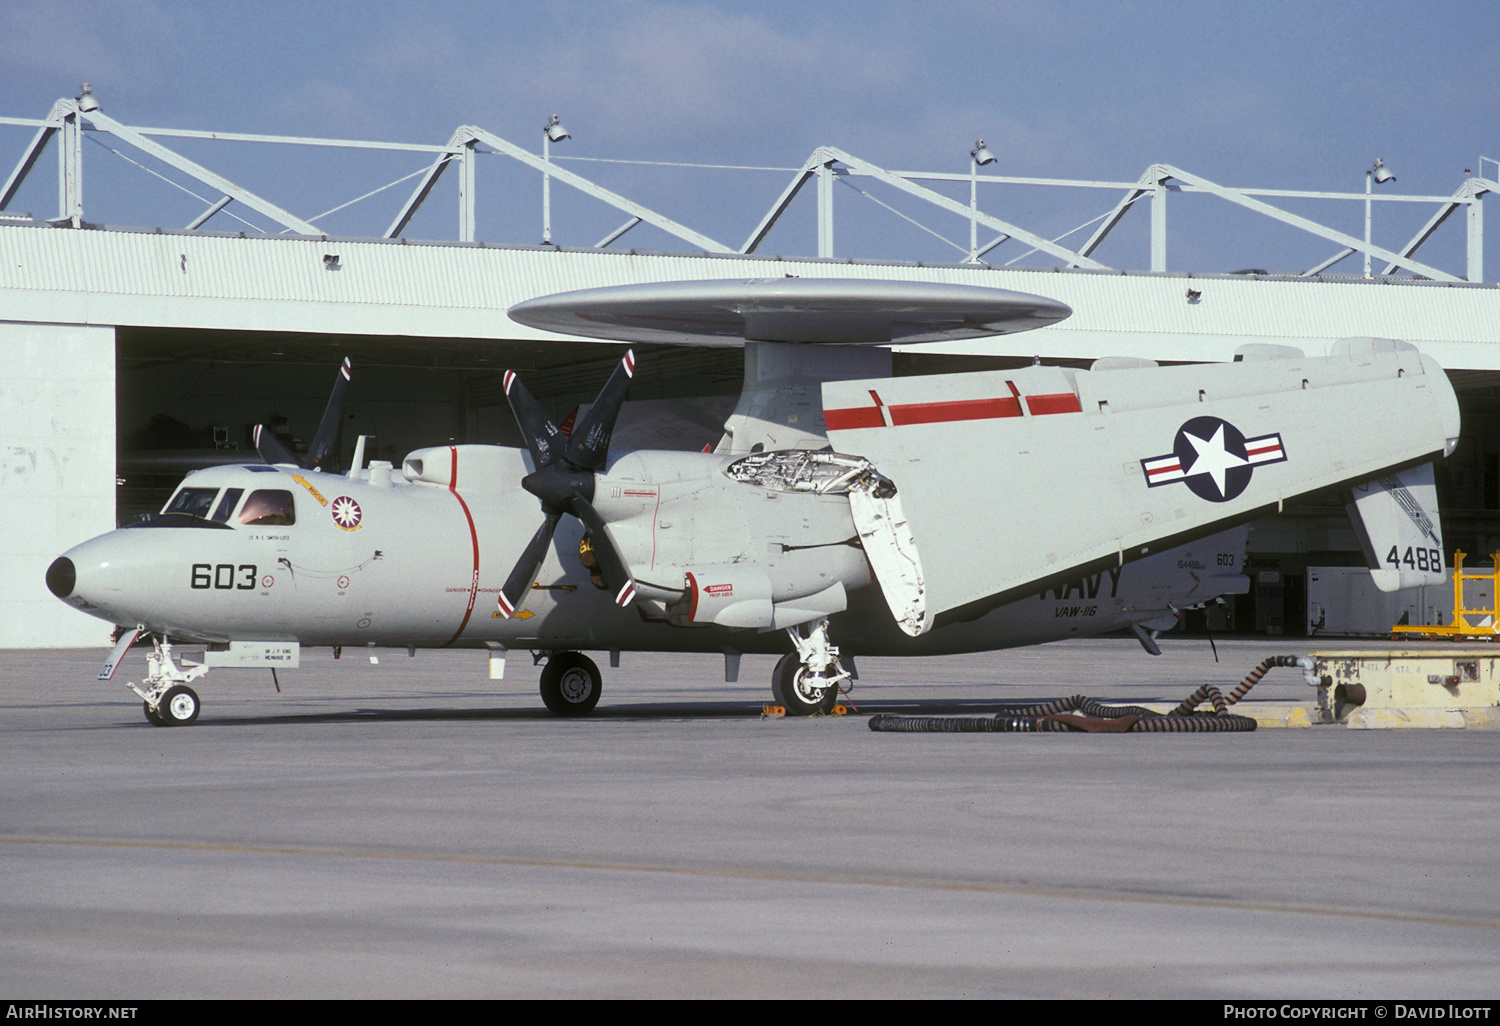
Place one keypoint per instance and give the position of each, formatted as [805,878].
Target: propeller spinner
[564,482]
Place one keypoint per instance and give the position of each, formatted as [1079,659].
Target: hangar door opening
[187,399]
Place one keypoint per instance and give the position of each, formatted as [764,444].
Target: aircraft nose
[62,576]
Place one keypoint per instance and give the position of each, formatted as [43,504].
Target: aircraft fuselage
[418,558]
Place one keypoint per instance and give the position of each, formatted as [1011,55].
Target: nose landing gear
[166,698]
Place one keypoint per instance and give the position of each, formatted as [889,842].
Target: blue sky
[1300,95]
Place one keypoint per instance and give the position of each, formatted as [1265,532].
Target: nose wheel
[177,707]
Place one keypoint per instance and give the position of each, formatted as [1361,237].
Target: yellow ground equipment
[1483,622]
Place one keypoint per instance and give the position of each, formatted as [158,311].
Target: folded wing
[1012,481]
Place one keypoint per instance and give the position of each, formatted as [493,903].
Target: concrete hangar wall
[83,309]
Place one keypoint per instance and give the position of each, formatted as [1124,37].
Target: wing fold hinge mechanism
[875,504]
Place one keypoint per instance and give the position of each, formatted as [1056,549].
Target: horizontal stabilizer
[1396,518]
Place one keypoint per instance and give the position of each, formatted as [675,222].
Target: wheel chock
[769,711]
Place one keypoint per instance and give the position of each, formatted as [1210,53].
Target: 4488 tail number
[1415,559]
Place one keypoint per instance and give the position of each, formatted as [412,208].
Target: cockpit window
[269,507]
[226,504]
[195,502]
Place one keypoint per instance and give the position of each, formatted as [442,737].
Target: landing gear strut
[806,682]
[167,699]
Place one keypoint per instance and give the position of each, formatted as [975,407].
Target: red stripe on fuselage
[473,539]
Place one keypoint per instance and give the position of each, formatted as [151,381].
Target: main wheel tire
[179,706]
[571,684]
[152,716]
[793,693]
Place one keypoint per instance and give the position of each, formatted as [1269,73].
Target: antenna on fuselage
[358,463]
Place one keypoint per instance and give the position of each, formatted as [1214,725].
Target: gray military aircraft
[845,512]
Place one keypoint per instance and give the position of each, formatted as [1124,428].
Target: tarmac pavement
[415,830]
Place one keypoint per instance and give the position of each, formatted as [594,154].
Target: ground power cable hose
[1079,713]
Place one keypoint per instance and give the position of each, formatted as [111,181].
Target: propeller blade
[563,479]
[611,564]
[542,436]
[588,445]
[271,448]
[321,453]
[527,566]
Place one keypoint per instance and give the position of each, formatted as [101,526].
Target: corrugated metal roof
[271,283]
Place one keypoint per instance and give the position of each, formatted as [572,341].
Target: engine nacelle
[743,595]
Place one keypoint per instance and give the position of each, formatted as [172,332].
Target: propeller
[564,482]
[320,454]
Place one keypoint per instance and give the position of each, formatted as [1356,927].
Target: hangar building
[131,351]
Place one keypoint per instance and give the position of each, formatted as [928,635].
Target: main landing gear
[806,681]
[571,684]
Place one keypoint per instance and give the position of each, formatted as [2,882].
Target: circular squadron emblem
[346,513]
[1213,458]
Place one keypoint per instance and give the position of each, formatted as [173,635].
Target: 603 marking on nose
[223,576]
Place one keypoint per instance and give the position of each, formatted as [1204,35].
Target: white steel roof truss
[203,174]
[1241,198]
[865,168]
[588,188]
[68,116]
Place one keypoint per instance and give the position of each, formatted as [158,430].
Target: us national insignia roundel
[1213,458]
[346,513]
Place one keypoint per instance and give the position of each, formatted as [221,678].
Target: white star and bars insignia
[1213,459]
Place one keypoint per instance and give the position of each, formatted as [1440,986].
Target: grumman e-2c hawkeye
[845,512]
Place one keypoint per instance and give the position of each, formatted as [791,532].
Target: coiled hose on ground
[1079,713]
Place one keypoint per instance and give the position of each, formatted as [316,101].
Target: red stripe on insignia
[1058,402]
[1173,469]
[961,409]
[1274,447]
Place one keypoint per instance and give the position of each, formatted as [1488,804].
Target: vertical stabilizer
[1396,518]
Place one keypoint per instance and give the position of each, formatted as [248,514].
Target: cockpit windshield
[269,507]
[227,503]
[266,507]
[194,502]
